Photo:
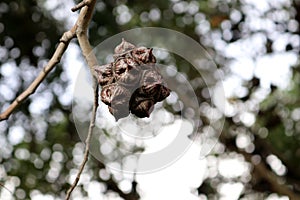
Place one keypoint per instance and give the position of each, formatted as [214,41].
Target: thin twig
[82,36]
[264,172]
[80,5]
[2,185]
[64,42]
[87,143]
[81,33]
[80,30]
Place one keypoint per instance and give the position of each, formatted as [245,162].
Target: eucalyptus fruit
[132,83]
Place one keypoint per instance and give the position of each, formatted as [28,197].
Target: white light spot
[154,14]
[16,135]
[247,118]
[231,168]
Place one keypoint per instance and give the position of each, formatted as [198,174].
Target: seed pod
[131,62]
[143,109]
[151,77]
[154,86]
[104,74]
[107,93]
[143,55]
[119,111]
[125,74]
[141,106]
[114,92]
[120,67]
[123,47]
[120,102]
[117,98]
[132,83]
[163,93]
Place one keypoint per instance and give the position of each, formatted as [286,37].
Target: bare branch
[2,185]
[80,30]
[64,42]
[87,143]
[81,33]
[262,170]
[82,36]
[80,5]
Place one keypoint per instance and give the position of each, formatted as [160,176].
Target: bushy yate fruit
[132,83]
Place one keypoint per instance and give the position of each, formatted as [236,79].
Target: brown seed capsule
[121,93]
[126,74]
[123,47]
[151,77]
[104,74]
[117,98]
[119,111]
[143,55]
[140,106]
[163,93]
[153,85]
[114,92]
[107,93]
[131,62]
[120,67]
[132,83]
[144,108]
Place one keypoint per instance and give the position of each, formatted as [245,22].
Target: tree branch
[81,33]
[261,169]
[81,4]
[61,48]
[2,185]
[80,29]
[87,143]
[267,149]
[112,185]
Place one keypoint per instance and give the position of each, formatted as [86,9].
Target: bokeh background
[255,45]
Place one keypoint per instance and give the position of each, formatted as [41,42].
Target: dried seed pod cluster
[132,82]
